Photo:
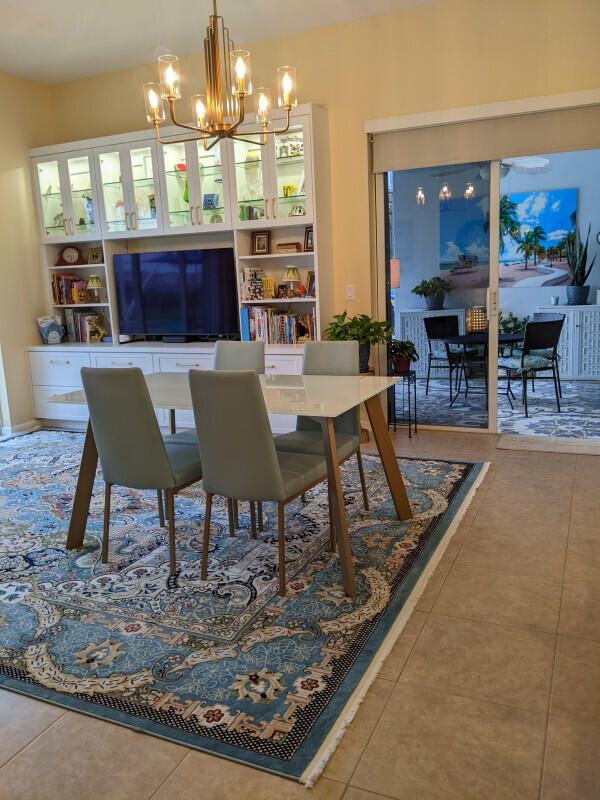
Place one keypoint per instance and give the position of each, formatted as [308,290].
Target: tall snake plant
[577,254]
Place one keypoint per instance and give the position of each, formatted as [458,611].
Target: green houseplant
[434,291]
[361,328]
[577,254]
[402,355]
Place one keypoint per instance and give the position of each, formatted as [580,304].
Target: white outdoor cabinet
[579,344]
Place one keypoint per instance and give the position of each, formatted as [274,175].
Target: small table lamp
[94,284]
[291,276]
[476,319]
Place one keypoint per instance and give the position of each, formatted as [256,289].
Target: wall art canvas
[464,241]
[534,227]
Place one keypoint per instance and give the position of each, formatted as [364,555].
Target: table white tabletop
[307,395]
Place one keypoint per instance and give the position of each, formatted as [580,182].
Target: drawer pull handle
[179,364]
[58,362]
[271,366]
[121,363]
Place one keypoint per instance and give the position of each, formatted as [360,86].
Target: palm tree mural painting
[538,235]
[526,246]
[509,222]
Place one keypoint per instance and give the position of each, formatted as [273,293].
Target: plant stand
[408,383]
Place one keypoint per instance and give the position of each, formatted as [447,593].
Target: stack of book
[252,284]
[68,289]
[251,212]
[83,326]
[276,327]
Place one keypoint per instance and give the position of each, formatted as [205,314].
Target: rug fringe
[319,762]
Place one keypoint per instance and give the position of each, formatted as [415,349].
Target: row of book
[276,327]
[67,289]
[83,326]
[251,212]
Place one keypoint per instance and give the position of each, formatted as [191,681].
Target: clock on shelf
[69,256]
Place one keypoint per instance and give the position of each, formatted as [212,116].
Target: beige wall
[26,121]
[458,53]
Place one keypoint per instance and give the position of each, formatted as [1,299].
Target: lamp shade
[94,282]
[290,273]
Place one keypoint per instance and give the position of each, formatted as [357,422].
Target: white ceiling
[59,40]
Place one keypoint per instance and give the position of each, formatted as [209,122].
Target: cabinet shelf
[80,305]
[76,266]
[279,301]
[279,256]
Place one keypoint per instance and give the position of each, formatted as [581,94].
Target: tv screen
[184,292]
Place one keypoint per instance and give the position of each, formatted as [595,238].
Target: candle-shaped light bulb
[286,85]
[171,77]
[155,111]
[153,99]
[200,111]
[240,68]
[240,72]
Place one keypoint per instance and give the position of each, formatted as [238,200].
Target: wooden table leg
[388,457]
[339,512]
[172,425]
[83,492]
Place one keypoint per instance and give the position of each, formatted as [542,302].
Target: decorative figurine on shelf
[301,290]
[90,209]
[80,293]
[210,201]
[288,191]
[297,211]
[152,203]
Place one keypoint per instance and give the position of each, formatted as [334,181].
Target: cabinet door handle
[134,220]
[127,220]
[192,214]
[58,362]
[180,364]
[72,225]
[267,208]
[198,215]
[274,209]
[121,363]
[65,220]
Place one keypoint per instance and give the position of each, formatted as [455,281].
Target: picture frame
[282,291]
[261,243]
[95,255]
[308,239]
[310,282]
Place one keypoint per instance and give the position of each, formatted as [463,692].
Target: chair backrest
[331,358]
[130,446]
[547,316]
[240,356]
[234,438]
[440,327]
[542,335]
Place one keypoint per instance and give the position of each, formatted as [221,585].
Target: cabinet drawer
[183,363]
[283,365]
[47,410]
[143,361]
[57,369]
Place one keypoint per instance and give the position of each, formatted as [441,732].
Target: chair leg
[236,514]
[207,514]
[252,520]
[428,373]
[533,381]
[363,485]
[261,526]
[558,379]
[556,392]
[170,495]
[107,488]
[281,527]
[332,539]
[230,516]
[161,508]
[525,393]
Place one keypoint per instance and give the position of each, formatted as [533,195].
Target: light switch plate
[349,291]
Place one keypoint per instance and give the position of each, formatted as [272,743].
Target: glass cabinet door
[144,189]
[293,196]
[250,182]
[82,196]
[211,210]
[51,199]
[179,194]
[116,216]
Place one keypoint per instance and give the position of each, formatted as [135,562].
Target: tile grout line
[35,738]
[179,763]
[562,588]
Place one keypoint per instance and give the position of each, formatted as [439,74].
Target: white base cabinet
[579,344]
[56,370]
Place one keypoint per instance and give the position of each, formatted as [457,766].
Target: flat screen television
[178,293]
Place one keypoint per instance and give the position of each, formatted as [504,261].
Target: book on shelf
[83,326]
[252,284]
[271,326]
[68,289]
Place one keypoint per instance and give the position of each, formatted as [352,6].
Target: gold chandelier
[218,114]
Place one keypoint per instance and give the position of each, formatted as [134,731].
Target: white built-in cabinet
[579,344]
[66,197]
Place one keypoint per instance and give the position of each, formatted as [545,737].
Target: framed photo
[308,239]
[282,290]
[95,255]
[261,243]
[310,282]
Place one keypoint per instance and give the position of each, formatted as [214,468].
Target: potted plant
[434,291]
[402,355]
[577,253]
[362,328]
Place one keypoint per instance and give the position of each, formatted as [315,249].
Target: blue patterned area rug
[226,666]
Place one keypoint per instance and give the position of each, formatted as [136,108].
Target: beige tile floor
[492,690]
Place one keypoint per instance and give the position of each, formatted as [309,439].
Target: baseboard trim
[23,427]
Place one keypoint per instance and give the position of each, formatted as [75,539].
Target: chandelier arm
[177,141]
[249,141]
[287,122]
[241,114]
[203,131]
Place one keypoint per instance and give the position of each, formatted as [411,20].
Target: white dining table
[322,397]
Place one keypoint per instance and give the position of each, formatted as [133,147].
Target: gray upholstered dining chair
[233,356]
[328,358]
[131,448]
[238,454]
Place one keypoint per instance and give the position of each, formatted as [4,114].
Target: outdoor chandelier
[218,114]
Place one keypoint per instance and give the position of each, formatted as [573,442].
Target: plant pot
[401,366]
[577,295]
[435,301]
[364,351]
